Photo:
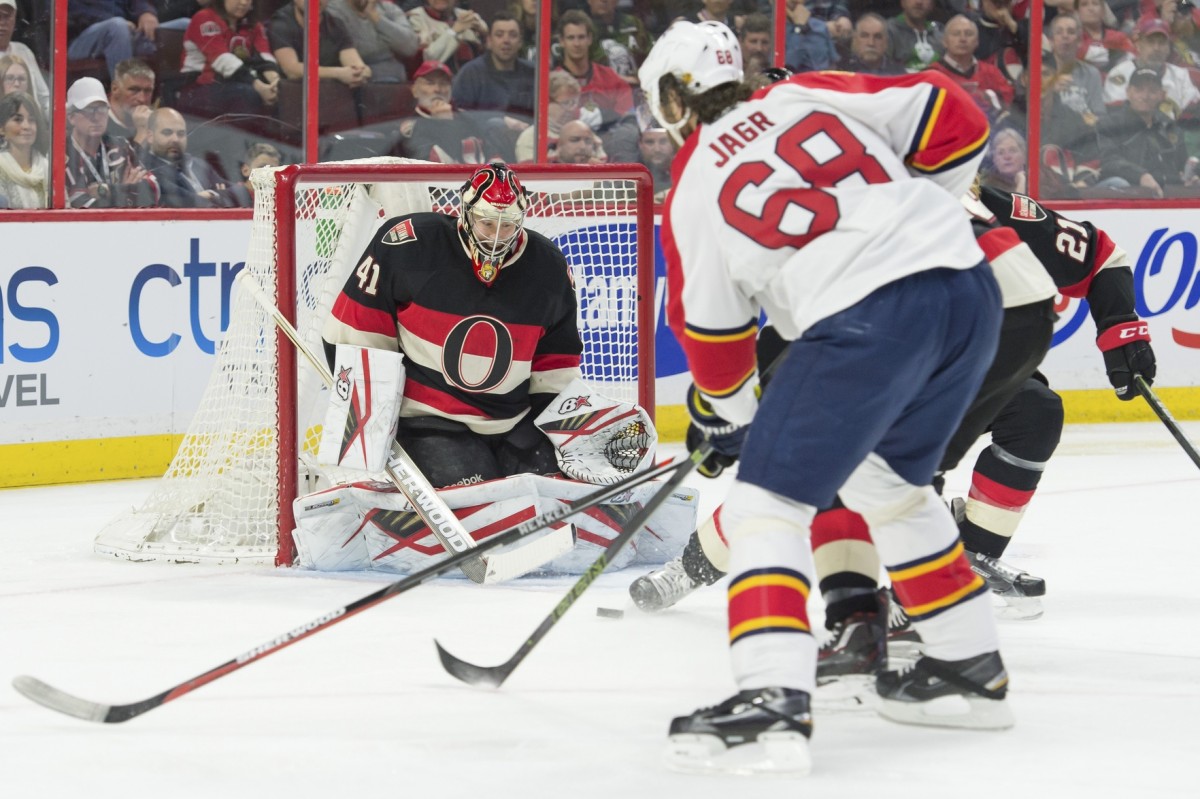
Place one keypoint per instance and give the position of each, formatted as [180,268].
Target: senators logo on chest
[1024,209]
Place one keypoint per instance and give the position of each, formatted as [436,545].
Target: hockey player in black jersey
[484,312]
[1015,404]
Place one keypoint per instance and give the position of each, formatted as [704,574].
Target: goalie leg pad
[364,406]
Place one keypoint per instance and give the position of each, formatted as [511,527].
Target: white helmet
[701,55]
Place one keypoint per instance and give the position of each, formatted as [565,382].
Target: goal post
[250,449]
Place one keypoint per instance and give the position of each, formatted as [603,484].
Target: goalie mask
[701,56]
[491,218]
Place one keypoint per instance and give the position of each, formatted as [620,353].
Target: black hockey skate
[948,693]
[1020,590]
[759,731]
[857,646]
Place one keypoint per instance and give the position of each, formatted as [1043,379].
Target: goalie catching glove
[364,408]
[1125,343]
[597,439]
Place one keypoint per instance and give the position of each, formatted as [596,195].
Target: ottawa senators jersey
[1080,258]
[805,199]
[476,354]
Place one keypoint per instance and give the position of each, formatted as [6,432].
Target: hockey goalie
[457,336]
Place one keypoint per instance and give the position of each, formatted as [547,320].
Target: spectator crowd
[172,102]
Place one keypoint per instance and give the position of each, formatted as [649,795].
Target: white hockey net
[226,496]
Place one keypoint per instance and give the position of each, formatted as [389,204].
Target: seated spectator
[1153,44]
[755,39]
[869,48]
[129,101]
[1009,158]
[101,172]
[184,181]
[577,145]
[1101,46]
[991,90]
[227,67]
[621,42]
[655,151]
[337,59]
[37,87]
[115,30]
[1184,22]
[258,154]
[525,12]
[14,75]
[1141,144]
[563,107]
[451,35]
[915,41]
[381,34]
[1077,83]
[1003,40]
[438,132]
[809,46]
[841,31]
[24,140]
[498,80]
[607,100]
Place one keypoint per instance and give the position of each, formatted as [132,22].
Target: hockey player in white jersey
[803,200]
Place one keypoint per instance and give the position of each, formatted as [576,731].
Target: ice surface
[1105,687]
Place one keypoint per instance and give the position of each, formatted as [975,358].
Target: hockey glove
[727,438]
[1125,343]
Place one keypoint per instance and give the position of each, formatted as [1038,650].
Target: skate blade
[1020,608]
[780,753]
[903,650]
[963,712]
[849,693]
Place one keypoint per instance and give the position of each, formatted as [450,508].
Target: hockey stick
[55,699]
[495,676]
[1168,420]
[405,475]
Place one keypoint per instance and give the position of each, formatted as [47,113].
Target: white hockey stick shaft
[432,509]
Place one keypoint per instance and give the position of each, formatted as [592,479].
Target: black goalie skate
[765,730]
[948,693]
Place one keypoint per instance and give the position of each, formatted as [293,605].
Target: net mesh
[219,500]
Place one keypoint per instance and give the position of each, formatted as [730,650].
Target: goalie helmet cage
[250,448]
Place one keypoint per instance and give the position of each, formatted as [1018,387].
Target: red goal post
[227,496]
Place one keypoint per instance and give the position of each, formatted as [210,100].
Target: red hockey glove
[1126,347]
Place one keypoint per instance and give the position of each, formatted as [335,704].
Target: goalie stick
[1165,415]
[432,509]
[495,676]
[63,702]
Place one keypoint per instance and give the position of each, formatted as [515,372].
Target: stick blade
[474,568]
[48,696]
[492,677]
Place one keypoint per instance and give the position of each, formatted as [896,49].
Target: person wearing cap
[1152,39]
[8,21]
[1140,143]
[102,172]
[437,132]
[114,30]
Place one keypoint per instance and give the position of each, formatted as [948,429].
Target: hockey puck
[610,613]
